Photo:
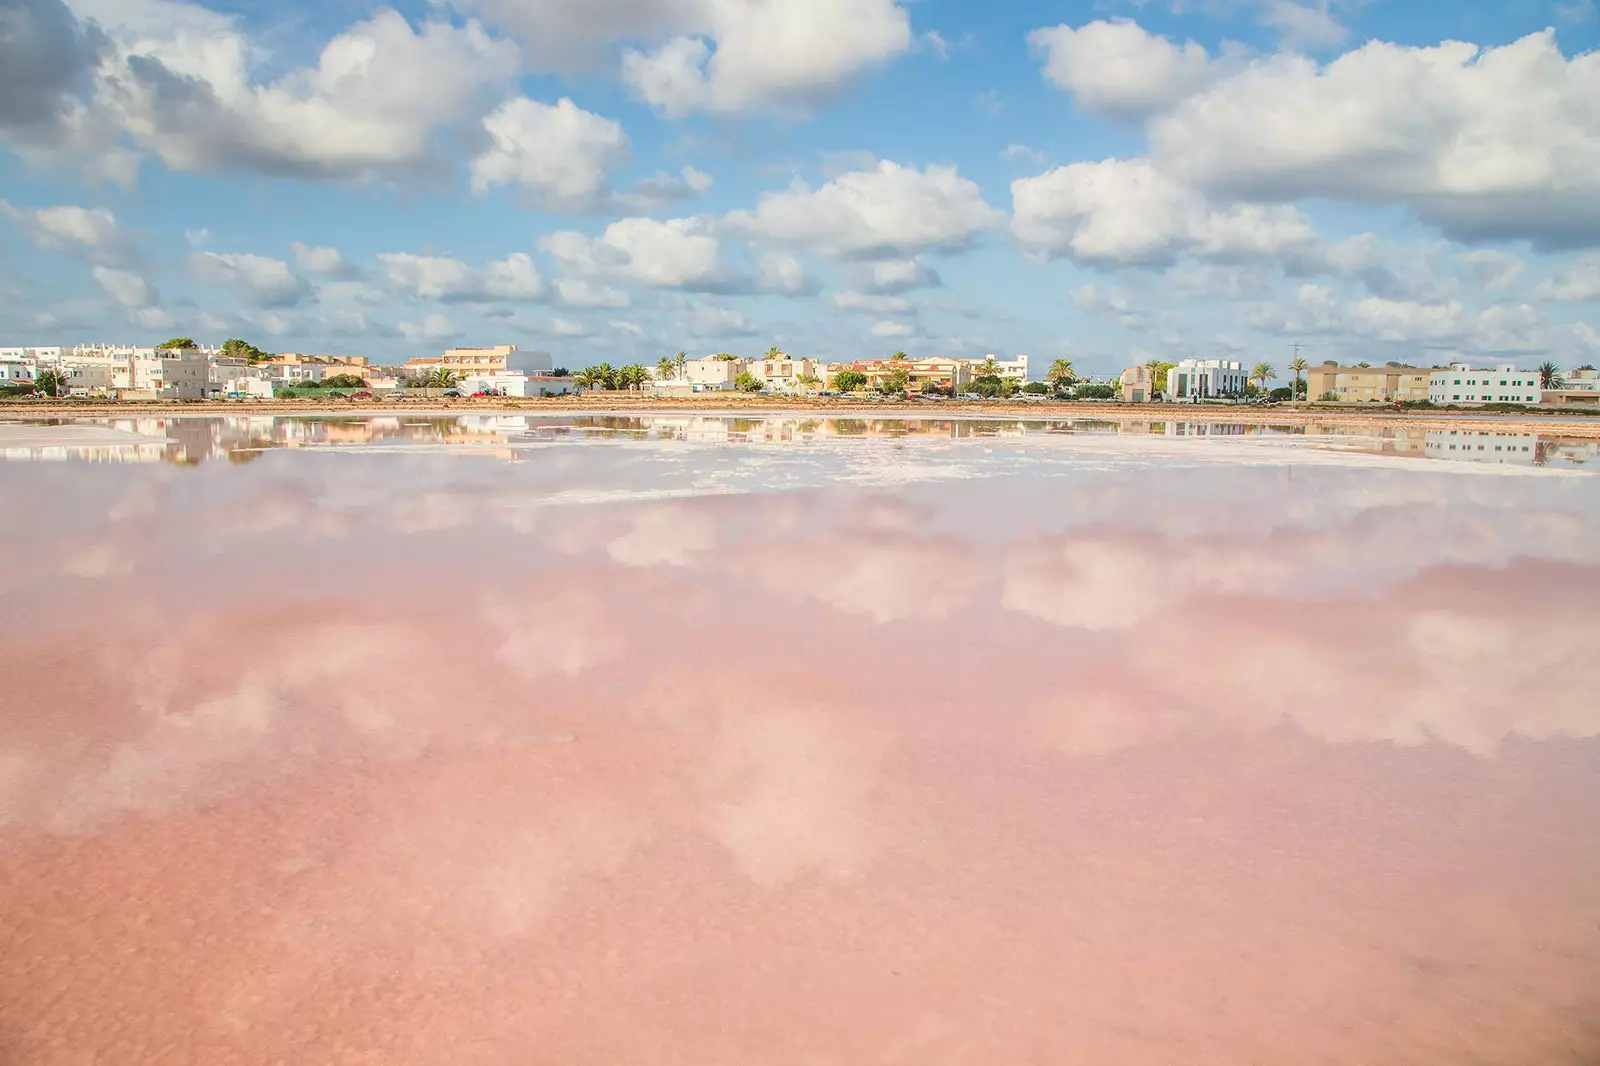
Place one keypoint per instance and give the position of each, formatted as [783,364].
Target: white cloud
[632,329]
[890,211]
[767,56]
[1308,25]
[432,328]
[558,153]
[259,279]
[1090,297]
[69,227]
[1128,212]
[711,320]
[449,280]
[783,274]
[895,275]
[1491,270]
[681,253]
[1022,152]
[1485,143]
[872,303]
[322,261]
[1118,69]
[576,292]
[661,190]
[185,92]
[1579,280]
[888,328]
[565,327]
[125,287]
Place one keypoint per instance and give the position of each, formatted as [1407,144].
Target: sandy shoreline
[724,404]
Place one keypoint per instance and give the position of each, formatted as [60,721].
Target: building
[470,361]
[515,384]
[1137,385]
[31,354]
[1578,387]
[1204,379]
[713,373]
[1390,383]
[15,371]
[783,374]
[938,370]
[1461,384]
[166,374]
[1520,449]
[1010,369]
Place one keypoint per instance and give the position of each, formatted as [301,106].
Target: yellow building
[1390,383]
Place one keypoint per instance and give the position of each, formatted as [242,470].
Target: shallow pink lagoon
[756,741]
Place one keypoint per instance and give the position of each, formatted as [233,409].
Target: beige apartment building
[1390,383]
[938,370]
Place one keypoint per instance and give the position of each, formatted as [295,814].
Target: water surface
[797,740]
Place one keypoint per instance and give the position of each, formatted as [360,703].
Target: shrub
[1096,392]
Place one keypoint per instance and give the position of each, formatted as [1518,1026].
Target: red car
[361,395]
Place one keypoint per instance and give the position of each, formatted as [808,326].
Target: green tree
[1299,366]
[561,372]
[747,382]
[1262,374]
[988,386]
[989,369]
[345,381]
[48,383]
[775,352]
[441,379]
[667,368]
[682,360]
[898,357]
[849,380]
[1061,374]
[1550,376]
[179,342]
[237,348]
[589,378]
[1036,388]
[633,376]
[1096,392]
[808,382]
[895,382]
[606,375]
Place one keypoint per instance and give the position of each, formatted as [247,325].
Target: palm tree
[774,352]
[898,357]
[1061,373]
[441,378]
[633,376]
[989,368]
[667,368]
[1549,376]
[682,361]
[1299,367]
[808,381]
[1262,374]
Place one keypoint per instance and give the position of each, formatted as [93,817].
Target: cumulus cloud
[449,280]
[1128,212]
[258,279]
[46,59]
[714,320]
[558,154]
[183,89]
[125,287]
[1579,280]
[577,292]
[323,261]
[1483,142]
[661,190]
[1491,270]
[894,275]
[1118,69]
[782,274]
[872,303]
[679,253]
[92,232]
[888,212]
[433,327]
[887,328]
[752,55]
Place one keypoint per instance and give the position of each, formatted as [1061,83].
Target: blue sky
[617,180]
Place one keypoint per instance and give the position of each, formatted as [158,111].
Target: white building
[783,374]
[35,354]
[710,374]
[1504,384]
[13,371]
[1013,369]
[170,374]
[509,383]
[1204,379]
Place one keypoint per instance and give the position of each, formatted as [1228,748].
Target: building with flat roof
[1390,383]
[1204,379]
[1460,384]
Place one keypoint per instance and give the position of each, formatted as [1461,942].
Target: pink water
[411,759]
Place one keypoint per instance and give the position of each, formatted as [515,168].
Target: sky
[616,180]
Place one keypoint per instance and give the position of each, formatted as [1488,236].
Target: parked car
[363,395]
[452,394]
[337,395]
